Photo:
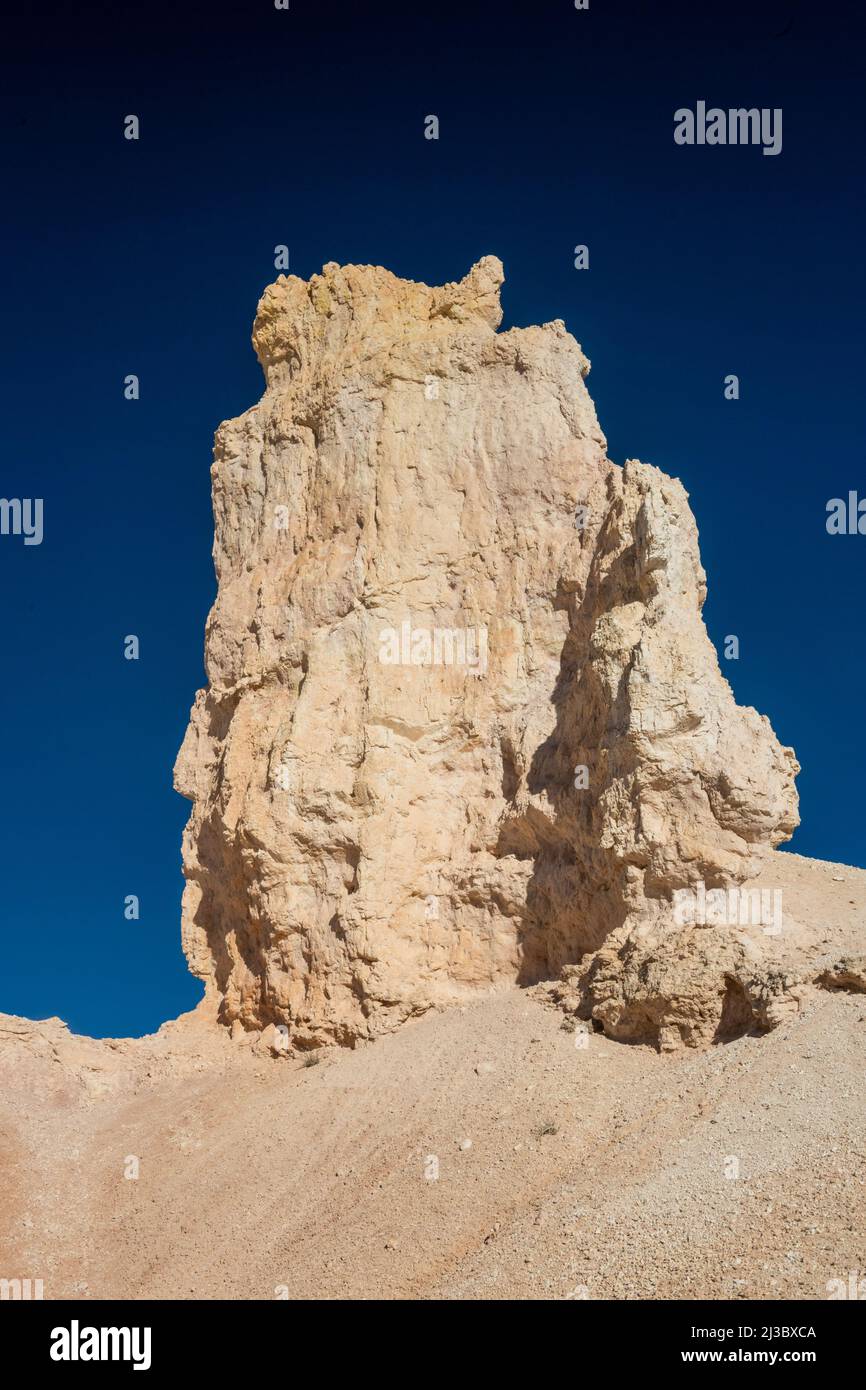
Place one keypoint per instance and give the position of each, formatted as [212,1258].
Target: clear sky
[305,127]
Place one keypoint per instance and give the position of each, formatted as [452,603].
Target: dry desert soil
[480,1153]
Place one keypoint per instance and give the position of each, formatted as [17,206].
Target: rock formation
[464,726]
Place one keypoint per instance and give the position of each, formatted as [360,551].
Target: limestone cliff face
[439,602]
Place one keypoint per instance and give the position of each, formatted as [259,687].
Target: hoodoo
[336,795]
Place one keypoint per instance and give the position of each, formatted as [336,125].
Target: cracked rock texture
[463,724]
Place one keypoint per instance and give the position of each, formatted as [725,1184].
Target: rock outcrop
[464,726]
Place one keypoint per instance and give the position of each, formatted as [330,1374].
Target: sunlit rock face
[463,725]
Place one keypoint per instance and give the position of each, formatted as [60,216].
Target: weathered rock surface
[438,601]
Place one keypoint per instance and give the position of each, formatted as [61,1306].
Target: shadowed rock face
[438,599]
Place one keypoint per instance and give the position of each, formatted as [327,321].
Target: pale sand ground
[257,1173]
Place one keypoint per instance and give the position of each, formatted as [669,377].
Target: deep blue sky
[261,127]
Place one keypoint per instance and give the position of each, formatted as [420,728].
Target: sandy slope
[597,1171]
